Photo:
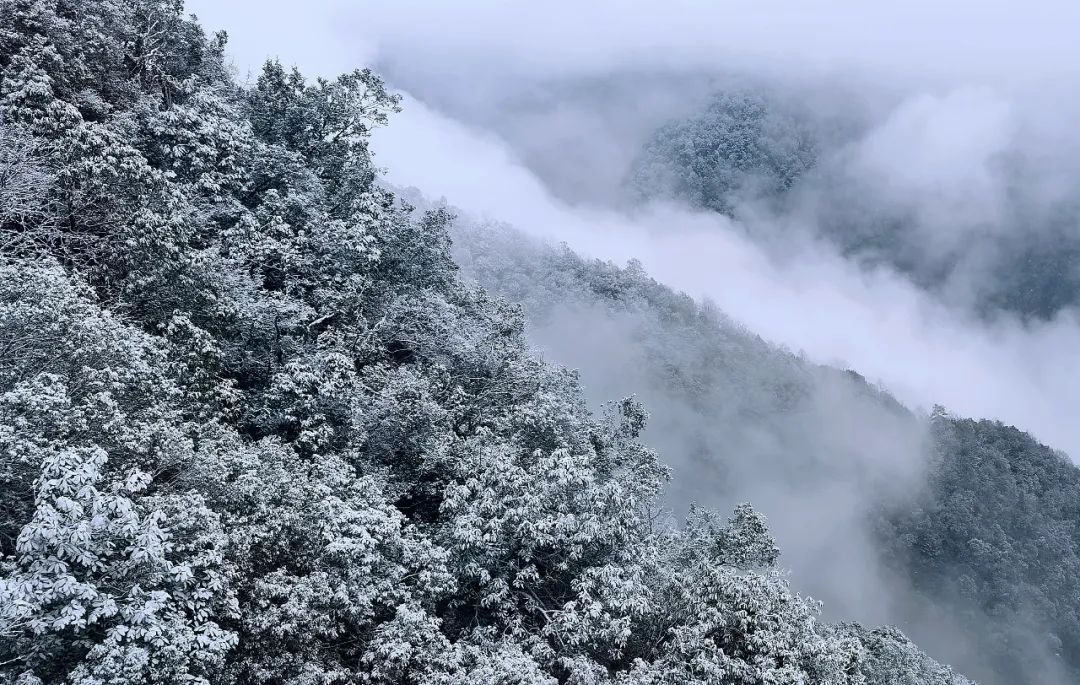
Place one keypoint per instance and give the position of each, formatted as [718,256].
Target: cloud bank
[814,301]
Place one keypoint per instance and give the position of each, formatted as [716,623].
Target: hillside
[964,532]
[255,428]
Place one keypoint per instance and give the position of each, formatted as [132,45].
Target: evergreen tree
[254,429]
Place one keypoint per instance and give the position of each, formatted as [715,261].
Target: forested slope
[993,535]
[256,430]
[751,150]
[981,529]
[996,536]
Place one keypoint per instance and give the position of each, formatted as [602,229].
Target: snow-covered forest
[267,417]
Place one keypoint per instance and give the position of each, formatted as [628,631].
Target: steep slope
[256,430]
[996,534]
[964,532]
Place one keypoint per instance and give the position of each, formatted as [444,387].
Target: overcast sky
[989,40]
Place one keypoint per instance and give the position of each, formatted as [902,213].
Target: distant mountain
[751,150]
[741,147]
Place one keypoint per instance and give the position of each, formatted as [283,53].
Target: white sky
[1020,41]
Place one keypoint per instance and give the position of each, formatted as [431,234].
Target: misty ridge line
[923,350]
[392,39]
[818,450]
[868,588]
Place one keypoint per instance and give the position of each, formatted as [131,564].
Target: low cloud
[811,299]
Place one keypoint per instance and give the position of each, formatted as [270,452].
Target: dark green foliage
[996,537]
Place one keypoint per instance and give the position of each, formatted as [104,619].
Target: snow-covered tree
[254,429]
